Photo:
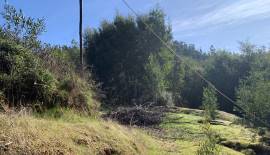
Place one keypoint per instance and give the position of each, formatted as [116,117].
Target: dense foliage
[132,64]
[134,67]
[253,93]
[39,75]
[22,79]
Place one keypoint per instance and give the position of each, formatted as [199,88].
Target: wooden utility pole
[80,33]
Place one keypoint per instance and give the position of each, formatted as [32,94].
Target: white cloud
[237,12]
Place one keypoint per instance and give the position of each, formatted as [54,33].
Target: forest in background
[133,77]
[129,66]
[135,68]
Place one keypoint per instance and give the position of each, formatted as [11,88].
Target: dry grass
[73,134]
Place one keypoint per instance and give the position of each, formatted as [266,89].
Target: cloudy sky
[222,23]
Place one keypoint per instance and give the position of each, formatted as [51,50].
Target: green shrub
[262,131]
[209,103]
[22,78]
[67,84]
[36,75]
[209,146]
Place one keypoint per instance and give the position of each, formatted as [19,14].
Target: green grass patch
[184,127]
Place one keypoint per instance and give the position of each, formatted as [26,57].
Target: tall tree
[253,92]
[129,60]
[176,80]
[80,32]
[224,70]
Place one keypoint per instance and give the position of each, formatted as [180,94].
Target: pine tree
[209,145]
[209,103]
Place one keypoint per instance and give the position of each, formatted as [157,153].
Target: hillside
[64,132]
[121,90]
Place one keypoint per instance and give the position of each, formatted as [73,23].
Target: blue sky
[202,22]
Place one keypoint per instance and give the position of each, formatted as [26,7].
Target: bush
[209,103]
[22,78]
[67,84]
[31,79]
[209,146]
[262,131]
[31,74]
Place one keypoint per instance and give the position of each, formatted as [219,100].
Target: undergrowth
[43,80]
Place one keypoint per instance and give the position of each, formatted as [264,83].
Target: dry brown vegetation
[73,134]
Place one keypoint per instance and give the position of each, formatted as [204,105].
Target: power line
[196,72]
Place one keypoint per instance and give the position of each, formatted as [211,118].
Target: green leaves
[209,146]
[253,96]
[21,29]
[129,60]
[25,80]
[209,103]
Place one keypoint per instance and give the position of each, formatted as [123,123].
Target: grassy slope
[72,134]
[182,125]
